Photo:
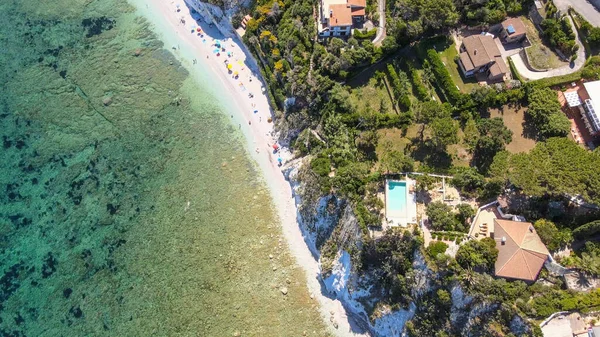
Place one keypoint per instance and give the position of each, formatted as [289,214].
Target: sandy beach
[199,52]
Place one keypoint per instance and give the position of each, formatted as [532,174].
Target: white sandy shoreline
[258,132]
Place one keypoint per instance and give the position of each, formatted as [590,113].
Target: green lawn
[466,85]
[448,53]
[369,98]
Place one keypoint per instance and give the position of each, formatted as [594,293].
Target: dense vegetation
[334,104]
[560,35]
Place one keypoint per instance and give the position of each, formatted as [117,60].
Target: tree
[468,181]
[551,236]
[493,137]
[427,111]
[557,125]
[479,255]
[444,132]
[425,182]
[440,216]
[556,167]
[395,161]
[587,230]
[465,212]
[471,134]
[545,113]
[594,36]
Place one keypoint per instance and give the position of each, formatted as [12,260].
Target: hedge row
[443,77]
[400,90]
[448,236]
[558,80]
[420,89]
[515,72]
[369,35]
[587,230]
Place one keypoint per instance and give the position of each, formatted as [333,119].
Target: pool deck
[398,218]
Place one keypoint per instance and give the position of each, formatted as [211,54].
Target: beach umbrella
[279,159]
[275,146]
[229,66]
[216,51]
[198,29]
[255,111]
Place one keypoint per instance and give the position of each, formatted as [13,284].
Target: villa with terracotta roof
[521,253]
[480,54]
[338,17]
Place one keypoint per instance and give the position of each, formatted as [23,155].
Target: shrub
[321,166]
[368,35]
[436,248]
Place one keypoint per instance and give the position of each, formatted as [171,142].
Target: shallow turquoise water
[130,208]
[397,196]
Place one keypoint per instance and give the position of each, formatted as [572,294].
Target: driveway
[381,29]
[536,75]
[587,9]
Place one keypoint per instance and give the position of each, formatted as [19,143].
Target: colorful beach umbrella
[229,66]
[216,51]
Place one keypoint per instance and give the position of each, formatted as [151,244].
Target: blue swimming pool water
[397,196]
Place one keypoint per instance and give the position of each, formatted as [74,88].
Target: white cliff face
[460,304]
[316,222]
[392,324]
[211,14]
[337,282]
[323,218]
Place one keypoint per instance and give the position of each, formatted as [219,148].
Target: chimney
[531,229]
[330,13]
[503,240]
[475,52]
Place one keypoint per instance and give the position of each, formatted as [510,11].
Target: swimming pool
[397,196]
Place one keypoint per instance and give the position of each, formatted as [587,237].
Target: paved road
[587,8]
[536,75]
[381,29]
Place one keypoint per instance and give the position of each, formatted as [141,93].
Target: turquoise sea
[129,206]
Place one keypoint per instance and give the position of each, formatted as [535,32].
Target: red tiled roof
[523,254]
[341,15]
